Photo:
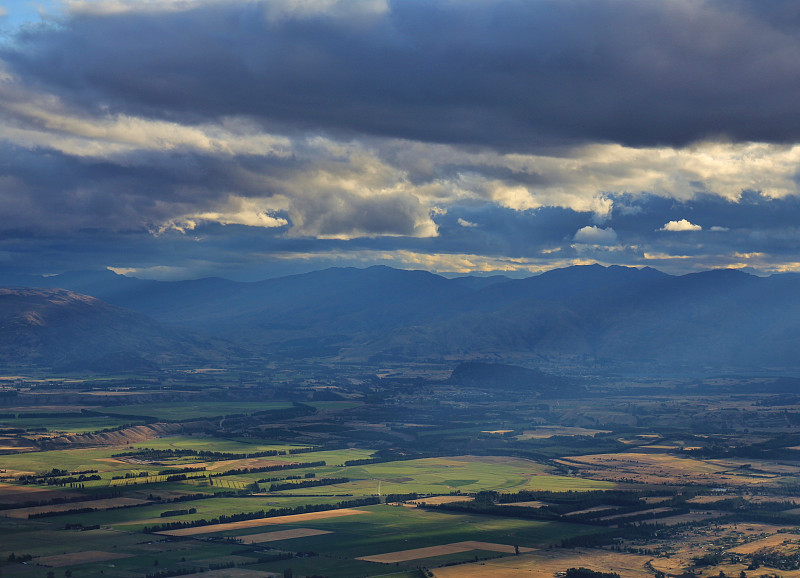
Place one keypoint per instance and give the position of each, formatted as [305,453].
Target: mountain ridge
[582,314]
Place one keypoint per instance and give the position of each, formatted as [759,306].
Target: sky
[178,139]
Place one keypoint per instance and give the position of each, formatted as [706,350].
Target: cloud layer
[253,137]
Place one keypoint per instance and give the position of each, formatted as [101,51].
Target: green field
[392,528]
[211,444]
[70,423]
[383,529]
[446,475]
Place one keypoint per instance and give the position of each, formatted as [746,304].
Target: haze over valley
[399,288]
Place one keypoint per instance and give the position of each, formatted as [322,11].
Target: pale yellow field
[243,463]
[663,468]
[682,518]
[263,522]
[435,500]
[529,504]
[600,508]
[633,514]
[442,550]
[548,431]
[770,542]
[545,564]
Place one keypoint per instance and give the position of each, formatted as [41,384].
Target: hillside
[585,315]
[59,328]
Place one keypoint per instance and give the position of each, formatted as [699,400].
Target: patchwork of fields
[325,488]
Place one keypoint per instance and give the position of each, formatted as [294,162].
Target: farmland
[383,485]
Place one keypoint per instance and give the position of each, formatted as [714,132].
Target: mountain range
[578,316]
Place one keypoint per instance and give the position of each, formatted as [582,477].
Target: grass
[72,460]
[212,444]
[384,529]
[331,567]
[392,528]
[76,423]
[446,475]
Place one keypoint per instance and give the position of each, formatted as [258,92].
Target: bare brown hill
[121,437]
[55,327]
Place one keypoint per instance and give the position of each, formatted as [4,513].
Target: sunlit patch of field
[712,499]
[771,467]
[773,542]
[72,460]
[263,522]
[546,563]
[203,443]
[128,519]
[225,465]
[441,550]
[281,535]
[548,431]
[672,565]
[528,504]
[656,499]
[756,499]
[390,529]
[622,517]
[656,468]
[451,474]
[600,508]
[434,500]
[682,518]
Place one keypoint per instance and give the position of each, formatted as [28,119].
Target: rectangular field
[546,564]
[282,535]
[86,557]
[441,550]
[23,513]
[263,522]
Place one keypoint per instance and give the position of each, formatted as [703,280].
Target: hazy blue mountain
[583,314]
[59,328]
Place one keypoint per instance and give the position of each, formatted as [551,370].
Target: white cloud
[237,211]
[372,187]
[718,229]
[682,225]
[465,223]
[596,236]
[462,263]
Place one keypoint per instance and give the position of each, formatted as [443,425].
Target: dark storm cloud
[754,224]
[500,231]
[52,191]
[752,212]
[509,74]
